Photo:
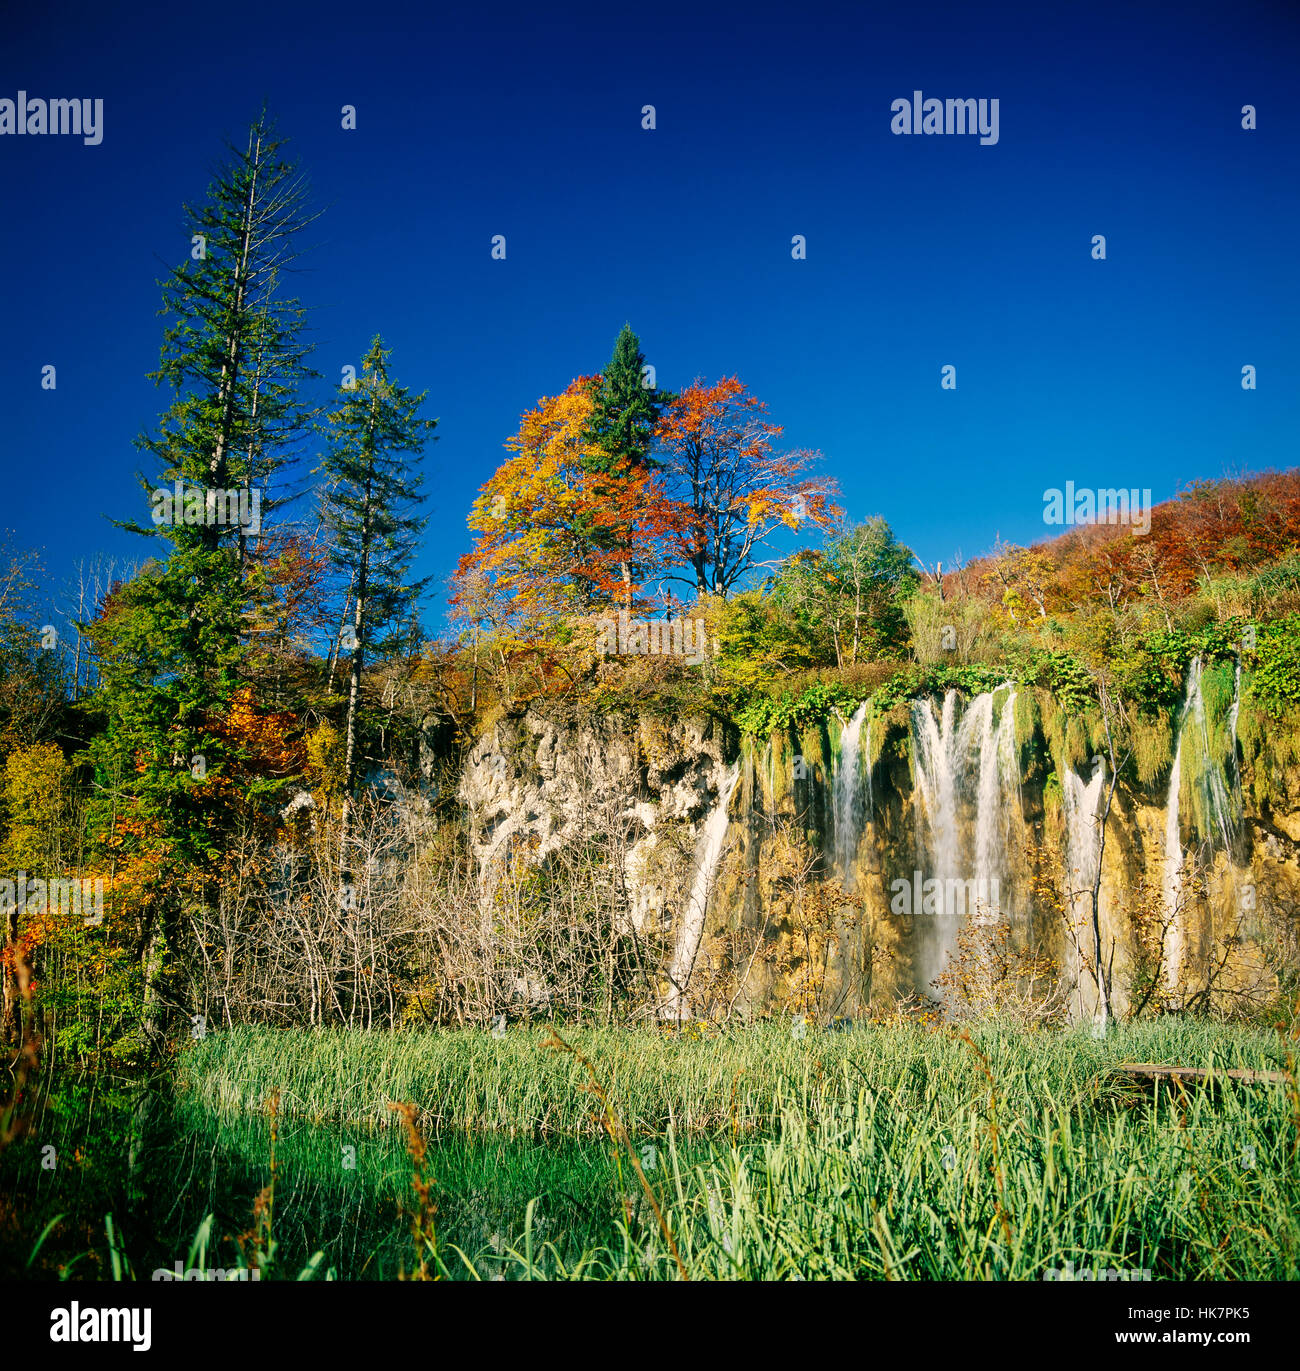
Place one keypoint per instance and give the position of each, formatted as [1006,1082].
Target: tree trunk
[11,1026]
[350,759]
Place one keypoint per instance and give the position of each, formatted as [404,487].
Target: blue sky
[526,121]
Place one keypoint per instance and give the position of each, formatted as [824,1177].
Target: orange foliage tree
[555,530]
[733,489]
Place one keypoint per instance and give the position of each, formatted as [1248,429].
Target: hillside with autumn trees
[548,730]
[850,606]
[250,745]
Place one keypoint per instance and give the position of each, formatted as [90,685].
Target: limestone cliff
[843,861]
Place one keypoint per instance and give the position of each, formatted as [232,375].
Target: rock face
[836,869]
[538,784]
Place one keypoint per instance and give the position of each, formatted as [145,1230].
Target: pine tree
[173,642]
[625,418]
[371,490]
[174,646]
[626,411]
[233,350]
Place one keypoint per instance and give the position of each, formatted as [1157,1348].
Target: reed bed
[698,1082]
[892,1153]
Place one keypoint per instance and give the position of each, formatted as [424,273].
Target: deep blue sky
[526,120]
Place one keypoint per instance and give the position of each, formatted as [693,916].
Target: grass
[183,1185]
[699,1081]
[854,1190]
[882,1153]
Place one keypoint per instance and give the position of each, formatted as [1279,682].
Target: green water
[160,1164]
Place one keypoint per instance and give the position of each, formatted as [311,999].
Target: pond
[159,1163]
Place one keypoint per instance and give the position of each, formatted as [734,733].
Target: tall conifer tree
[624,420]
[172,642]
[372,488]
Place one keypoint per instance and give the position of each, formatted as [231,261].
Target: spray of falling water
[847,807]
[1197,770]
[1082,802]
[963,768]
[711,844]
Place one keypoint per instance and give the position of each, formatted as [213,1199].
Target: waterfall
[1212,807]
[767,773]
[1082,803]
[1214,789]
[966,777]
[712,841]
[1236,706]
[997,774]
[867,769]
[1238,803]
[1173,882]
[935,747]
[848,813]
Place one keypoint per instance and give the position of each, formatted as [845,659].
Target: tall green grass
[877,1154]
[699,1083]
[890,1153]
[903,1183]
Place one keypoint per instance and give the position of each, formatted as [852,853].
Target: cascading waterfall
[1082,801]
[966,767]
[934,746]
[767,768]
[935,749]
[1236,706]
[1173,882]
[1213,806]
[867,770]
[1239,806]
[847,809]
[711,844]
[1214,787]
[998,775]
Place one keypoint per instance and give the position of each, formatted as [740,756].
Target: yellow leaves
[325,764]
[559,526]
[34,781]
[263,734]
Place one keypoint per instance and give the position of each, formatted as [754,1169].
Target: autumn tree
[33,685]
[32,805]
[293,614]
[1023,576]
[734,488]
[559,526]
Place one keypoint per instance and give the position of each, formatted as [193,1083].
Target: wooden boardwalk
[1202,1073]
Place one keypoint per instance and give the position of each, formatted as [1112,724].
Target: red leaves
[554,535]
[734,489]
[560,532]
